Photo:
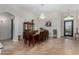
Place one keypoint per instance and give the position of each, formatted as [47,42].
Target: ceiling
[48,7]
[37,8]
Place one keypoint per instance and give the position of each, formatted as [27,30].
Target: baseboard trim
[6,39]
[15,40]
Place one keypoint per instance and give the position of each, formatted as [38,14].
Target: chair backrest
[41,36]
[46,33]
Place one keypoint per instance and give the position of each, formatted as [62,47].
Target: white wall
[75,21]
[4,8]
[21,14]
[55,23]
[57,20]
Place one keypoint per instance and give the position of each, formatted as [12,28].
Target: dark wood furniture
[28,30]
[43,36]
[28,26]
[30,38]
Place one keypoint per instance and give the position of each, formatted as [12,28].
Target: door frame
[12,29]
[65,29]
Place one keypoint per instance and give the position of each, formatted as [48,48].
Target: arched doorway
[6,25]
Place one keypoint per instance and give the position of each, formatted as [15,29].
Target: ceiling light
[42,16]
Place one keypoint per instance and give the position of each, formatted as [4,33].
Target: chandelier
[42,16]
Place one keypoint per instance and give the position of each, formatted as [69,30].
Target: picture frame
[48,24]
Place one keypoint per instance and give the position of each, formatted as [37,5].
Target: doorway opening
[68,28]
[6,25]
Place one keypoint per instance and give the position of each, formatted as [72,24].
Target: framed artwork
[48,23]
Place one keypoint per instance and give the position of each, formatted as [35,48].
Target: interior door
[68,28]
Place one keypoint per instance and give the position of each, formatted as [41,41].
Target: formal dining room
[39,29]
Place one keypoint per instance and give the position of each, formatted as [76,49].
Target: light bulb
[42,16]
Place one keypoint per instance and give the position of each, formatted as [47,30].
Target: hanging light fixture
[42,16]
